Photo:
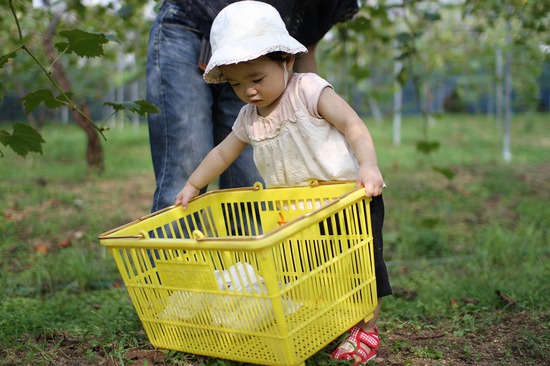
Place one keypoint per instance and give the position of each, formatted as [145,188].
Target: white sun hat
[244,31]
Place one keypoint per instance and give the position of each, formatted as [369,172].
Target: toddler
[298,126]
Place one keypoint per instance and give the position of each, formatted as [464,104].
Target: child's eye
[234,84]
[258,80]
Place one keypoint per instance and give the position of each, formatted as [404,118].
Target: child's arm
[338,112]
[217,160]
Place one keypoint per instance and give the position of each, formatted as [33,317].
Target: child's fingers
[180,199]
[373,189]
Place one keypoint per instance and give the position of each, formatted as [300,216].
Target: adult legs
[194,116]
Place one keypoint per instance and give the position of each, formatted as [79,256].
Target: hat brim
[247,50]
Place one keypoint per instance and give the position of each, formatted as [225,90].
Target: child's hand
[186,194]
[370,177]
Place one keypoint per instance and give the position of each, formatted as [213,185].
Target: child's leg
[369,325]
[362,342]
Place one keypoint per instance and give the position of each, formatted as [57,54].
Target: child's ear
[289,64]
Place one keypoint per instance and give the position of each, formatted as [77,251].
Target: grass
[451,242]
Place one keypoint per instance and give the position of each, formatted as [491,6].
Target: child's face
[259,82]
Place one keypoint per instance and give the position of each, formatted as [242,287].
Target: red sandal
[351,346]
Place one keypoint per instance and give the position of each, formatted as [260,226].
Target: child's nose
[250,91]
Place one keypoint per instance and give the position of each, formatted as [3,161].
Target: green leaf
[112,38]
[23,140]
[360,24]
[138,106]
[446,172]
[404,37]
[429,222]
[427,147]
[126,11]
[431,16]
[403,76]
[84,44]
[33,100]
[408,53]
[4,58]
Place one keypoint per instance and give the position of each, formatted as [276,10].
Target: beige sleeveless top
[294,143]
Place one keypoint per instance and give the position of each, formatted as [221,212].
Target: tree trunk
[397,105]
[94,150]
[499,91]
[65,115]
[506,145]
[120,117]
[375,109]
[134,95]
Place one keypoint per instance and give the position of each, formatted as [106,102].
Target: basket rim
[282,232]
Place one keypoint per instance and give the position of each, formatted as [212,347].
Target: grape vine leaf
[3,61]
[23,140]
[446,172]
[427,147]
[4,58]
[82,43]
[33,100]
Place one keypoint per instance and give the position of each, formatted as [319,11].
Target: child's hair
[280,56]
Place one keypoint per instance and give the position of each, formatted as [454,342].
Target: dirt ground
[511,338]
[516,339]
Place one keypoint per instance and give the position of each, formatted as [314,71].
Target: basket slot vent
[242,218]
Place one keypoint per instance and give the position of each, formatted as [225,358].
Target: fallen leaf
[145,357]
[41,248]
[79,234]
[13,215]
[405,293]
[506,298]
[64,243]
[469,300]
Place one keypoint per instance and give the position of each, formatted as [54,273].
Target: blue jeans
[194,116]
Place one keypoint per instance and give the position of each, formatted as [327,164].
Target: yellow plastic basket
[263,276]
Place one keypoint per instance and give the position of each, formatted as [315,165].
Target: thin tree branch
[16,22]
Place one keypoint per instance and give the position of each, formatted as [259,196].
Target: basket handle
[197,234]
[313,183]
